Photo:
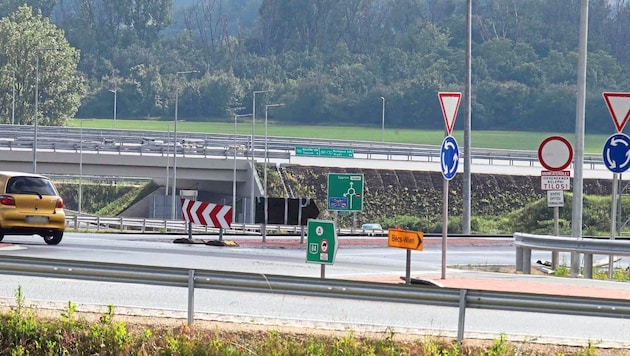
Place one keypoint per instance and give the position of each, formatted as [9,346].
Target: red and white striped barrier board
[202,213]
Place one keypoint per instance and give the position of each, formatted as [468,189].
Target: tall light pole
[264,230]
[168,157]
[81,164]
[252,187]
[174,189]
[12,96]
[38,51]
[383,121]
[234,170]
[35,118]
[115,94]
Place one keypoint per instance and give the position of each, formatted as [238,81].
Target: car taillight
[7,200]
[59,203]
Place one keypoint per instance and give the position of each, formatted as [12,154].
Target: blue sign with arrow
[617,153]
[449,157]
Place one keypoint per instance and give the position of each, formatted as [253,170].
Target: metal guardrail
[525,243]
[117,140]
[313,287]
[145,225]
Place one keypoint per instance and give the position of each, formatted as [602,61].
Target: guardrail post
[588,265]
[144,225]
[527,260]
[519,259]
[122,227]
[98,223]
[191,296]
[76,221]
[462,316]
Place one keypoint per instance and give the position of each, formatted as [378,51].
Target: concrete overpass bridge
[212,176]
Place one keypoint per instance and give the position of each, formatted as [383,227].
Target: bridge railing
[129,141]
[146,225]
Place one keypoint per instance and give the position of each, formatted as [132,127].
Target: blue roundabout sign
[449,157]
[617,153]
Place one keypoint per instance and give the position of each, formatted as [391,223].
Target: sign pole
[444,225]
[613,221]
[556,232]
[408,268]
[323,271]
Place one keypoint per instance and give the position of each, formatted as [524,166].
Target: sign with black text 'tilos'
[555,180]
[411,240]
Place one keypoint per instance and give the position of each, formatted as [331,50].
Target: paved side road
[469,279]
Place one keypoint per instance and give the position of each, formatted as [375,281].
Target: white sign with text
[555,180]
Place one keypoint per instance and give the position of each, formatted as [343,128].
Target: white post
[252,185]
[234,170]
[115,95]
[383,121]
[174,189]
[35,119]
[264,230]
[81,167]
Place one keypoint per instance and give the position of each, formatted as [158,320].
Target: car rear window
[30,185]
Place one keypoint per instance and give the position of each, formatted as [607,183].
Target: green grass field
[479,139]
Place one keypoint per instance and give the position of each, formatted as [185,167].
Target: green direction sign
[321,242]
[336,152]
[345,192]
[324,152]
[306,151]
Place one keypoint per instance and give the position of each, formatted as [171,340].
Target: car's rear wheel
[54,239]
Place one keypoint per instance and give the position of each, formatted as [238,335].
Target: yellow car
[30,204]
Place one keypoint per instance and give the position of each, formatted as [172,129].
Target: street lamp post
[38,51]
[12,96]
[252,187]
[234,170]
[35,118]
[383,121]
[115,95]
[81,164]
[174,189]
[264,230]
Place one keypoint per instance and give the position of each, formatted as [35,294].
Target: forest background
[328,61]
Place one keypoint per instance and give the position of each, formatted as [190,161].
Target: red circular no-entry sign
[555,153]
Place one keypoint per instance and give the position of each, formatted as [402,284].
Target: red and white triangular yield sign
[449,101]
[619,107]
[202,213]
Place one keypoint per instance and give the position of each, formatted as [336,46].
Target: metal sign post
[410,240]
[449,159]
[555,154]
[615,154]
[322,243]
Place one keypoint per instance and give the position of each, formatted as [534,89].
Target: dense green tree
[42,60]
[7,7]
[332,60]
[216,94]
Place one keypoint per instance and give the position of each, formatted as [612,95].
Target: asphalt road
[354,260]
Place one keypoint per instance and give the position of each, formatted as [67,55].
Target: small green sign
[324,152]
[307,151]
[345,192]
[321,242]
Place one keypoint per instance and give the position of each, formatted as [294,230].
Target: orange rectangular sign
[411,240]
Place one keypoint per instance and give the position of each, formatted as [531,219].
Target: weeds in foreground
[23,333]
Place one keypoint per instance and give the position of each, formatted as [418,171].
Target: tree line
[327,61]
